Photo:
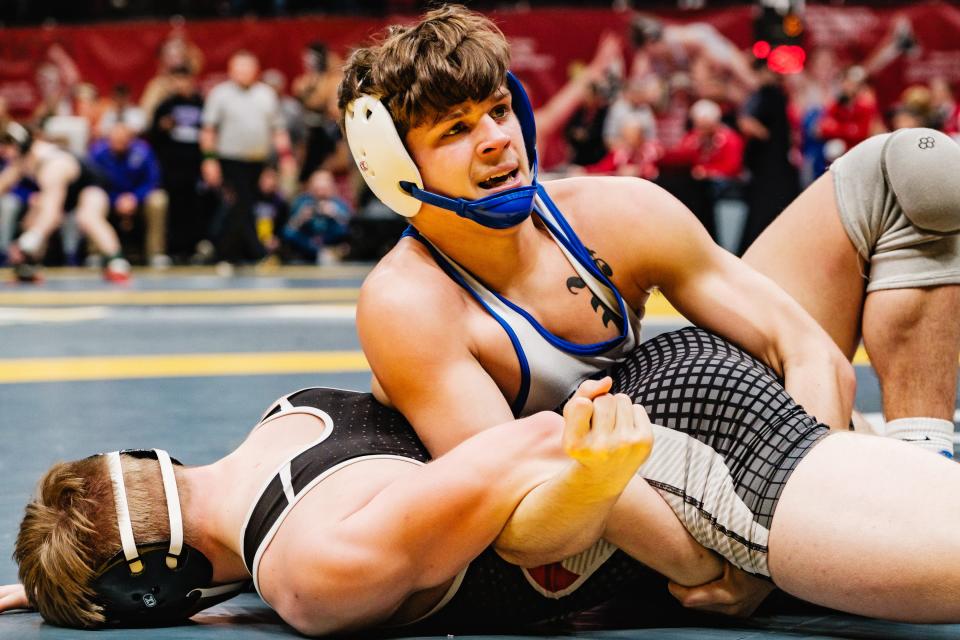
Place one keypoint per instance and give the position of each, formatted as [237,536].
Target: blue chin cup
[394,178]
[507,208]
[498,211]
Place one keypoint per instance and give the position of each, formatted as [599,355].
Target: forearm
[643,526]
[443,515]
[822,382]
[208,140]
[559,518]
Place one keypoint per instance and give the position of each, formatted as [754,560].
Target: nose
[492,138]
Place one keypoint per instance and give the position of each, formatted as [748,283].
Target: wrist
[210,155]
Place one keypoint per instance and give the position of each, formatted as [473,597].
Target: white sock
[932,434]
[30,242]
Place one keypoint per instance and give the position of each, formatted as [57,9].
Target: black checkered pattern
[697,383]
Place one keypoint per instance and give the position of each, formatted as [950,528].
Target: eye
[454,130]
[500,111]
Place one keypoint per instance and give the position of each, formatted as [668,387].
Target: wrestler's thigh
[913,339]
[808,253]
[93,204]
[861,526]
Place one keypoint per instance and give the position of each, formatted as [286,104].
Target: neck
[206,509]
[497,256]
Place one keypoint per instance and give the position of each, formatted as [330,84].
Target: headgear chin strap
[161,582]
[393,176]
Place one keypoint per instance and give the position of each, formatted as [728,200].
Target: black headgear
[16,133]
[160,582]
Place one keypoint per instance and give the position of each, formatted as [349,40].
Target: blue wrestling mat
[187,360]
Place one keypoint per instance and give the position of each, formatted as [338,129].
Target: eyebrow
[458,112]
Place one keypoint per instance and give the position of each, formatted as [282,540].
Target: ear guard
[161,582]
[394,178]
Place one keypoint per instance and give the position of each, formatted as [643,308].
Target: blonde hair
[70,529]
[421,71]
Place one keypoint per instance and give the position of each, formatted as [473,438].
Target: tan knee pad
[922,167]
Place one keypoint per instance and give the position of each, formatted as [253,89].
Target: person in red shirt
[852,116]
[713,150]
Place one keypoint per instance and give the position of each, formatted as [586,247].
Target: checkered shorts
[727,438]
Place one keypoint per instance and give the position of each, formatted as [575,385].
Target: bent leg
[844,534]
[92,208]
[808,253]
[913,339]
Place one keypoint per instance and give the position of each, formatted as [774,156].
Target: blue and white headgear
[155,582]
[393,176]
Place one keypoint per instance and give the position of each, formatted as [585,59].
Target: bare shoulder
[637,227]
[407,284]
[591,201]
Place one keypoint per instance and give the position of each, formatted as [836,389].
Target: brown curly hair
[423,70]
[70,529]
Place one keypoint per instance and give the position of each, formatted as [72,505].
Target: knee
[157,200]
[920,166]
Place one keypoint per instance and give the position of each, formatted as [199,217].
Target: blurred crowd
[256,168]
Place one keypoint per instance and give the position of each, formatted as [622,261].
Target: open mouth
[496,181]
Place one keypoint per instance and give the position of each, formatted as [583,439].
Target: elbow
[523,556]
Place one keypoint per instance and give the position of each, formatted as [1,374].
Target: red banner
[545,43]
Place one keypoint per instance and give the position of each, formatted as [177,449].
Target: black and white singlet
[730,437]
[489,590]
[551,367]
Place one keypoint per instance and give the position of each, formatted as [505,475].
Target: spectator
[122,109]
[774,180]
[631,153]
[176,52]
[270,210]
[663,49]
[56,78]
[814,88]
[319,220]
[634,103]
[293,121]
[713,153]
[584,130]
[132,177]
[241,126]
[852,116]
[316,89]
[943,106]
[175,135]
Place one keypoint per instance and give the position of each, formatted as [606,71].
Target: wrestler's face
[474,150]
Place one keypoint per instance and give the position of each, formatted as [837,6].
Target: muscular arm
[419,531]
[718,291]
[427,370]
[582,502]
[669,249]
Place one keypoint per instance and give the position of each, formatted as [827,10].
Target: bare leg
[808,253]
[852,544]
[913,338]
[92,208]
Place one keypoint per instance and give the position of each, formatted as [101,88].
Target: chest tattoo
[575,284]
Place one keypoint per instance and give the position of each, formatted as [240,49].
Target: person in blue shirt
[319,220]
[132,176]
